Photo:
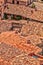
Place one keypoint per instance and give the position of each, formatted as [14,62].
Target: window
[17,2]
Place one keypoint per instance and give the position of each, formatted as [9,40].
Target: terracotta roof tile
[24,11]
[10,55]
[19,42]
[32,28]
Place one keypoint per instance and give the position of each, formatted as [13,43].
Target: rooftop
[18,41]
[24,11]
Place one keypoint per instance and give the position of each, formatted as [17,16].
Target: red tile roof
[19,56]
[18,41]
[24,11]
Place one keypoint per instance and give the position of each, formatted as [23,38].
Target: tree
[33,5]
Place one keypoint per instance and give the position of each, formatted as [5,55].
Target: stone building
[23,2]
[11,2]
[20,9]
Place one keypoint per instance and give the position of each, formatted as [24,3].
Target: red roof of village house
[10,40]
[16,49]
[17,57]
[32,28]
[24,11]
[18,41]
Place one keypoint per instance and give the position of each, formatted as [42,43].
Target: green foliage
[33,5]
[18,17]
[5,16]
